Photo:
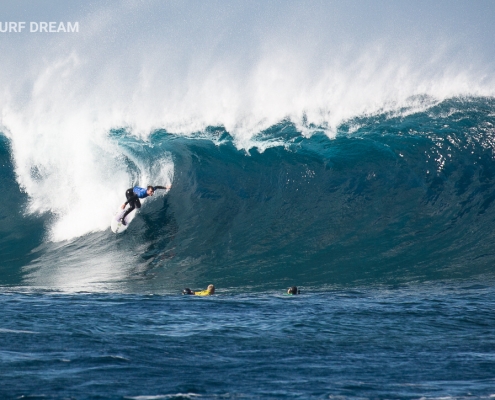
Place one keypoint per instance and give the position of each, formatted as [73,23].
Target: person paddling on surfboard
[134,194]
[208,292]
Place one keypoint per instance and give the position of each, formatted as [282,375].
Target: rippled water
[435,341]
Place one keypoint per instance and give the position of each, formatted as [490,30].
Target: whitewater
[346,148]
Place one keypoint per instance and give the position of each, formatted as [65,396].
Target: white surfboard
[116,225]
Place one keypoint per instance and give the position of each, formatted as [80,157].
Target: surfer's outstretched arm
[135,196]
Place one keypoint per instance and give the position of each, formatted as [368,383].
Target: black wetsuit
[133,199]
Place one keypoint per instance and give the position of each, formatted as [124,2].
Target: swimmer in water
[208,292]
[293,290]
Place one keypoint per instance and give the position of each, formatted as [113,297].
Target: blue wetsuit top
[140,193]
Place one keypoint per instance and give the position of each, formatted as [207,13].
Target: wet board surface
[116,225]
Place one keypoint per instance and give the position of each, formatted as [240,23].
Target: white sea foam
[186,66]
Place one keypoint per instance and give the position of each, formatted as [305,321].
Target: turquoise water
[387,229]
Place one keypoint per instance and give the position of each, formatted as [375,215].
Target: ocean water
[347,148]
[435,342]
[386,228]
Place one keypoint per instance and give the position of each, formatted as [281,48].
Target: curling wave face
[390,198]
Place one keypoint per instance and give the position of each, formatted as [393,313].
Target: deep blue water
[434,341]
[387,228]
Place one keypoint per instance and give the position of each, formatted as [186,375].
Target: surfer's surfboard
[116,225]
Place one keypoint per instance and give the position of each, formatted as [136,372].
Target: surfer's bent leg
[128,211]
[132,204]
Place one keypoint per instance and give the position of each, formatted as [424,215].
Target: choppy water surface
[435,341]
[347,148]
[387,228]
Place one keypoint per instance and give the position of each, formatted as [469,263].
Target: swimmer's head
[211,289]
[293,290]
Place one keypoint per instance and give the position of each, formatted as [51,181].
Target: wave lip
[392,198]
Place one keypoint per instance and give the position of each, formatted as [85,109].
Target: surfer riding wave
[134,194]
